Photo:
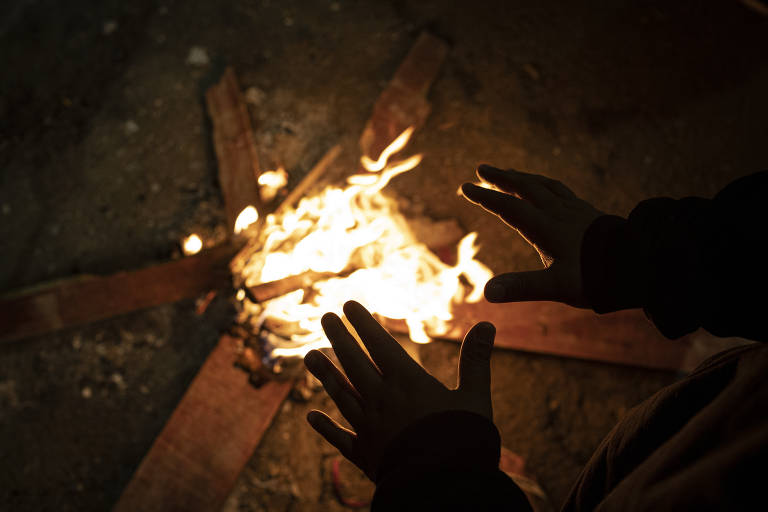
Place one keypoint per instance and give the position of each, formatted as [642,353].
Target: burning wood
[267,291]
[235,148]
[357,227]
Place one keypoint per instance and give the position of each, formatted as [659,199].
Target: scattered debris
[130,127]
[201,305]
[532,71]
[109,27]
[198,56]
[254,96]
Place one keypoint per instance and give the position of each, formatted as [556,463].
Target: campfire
[300,255]
[346,242]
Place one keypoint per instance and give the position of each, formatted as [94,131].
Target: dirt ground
[106,162]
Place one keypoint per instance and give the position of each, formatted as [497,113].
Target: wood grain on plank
[235,147]
[82,300]
[195,461]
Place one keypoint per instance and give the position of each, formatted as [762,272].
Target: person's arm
[427,447]
[688,263]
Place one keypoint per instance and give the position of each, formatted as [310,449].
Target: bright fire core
[359,234]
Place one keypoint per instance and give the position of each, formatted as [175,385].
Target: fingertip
[312,359]
[352,306]
[314,417]
[486,330]
[329,320]
[468,190]
[495,291]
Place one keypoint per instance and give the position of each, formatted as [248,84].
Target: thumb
[522,286]
[475,359]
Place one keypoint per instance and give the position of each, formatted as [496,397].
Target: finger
[386,352]
[526,186]
[341,438]
[521,215]
[522,286]
[358,367]
[338,387]
[509,179]
[475,360]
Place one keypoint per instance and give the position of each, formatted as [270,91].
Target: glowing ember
[271,182]
[360,233]
[248,216]
[191,244]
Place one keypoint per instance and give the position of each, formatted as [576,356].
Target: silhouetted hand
[549,217]
[385,395]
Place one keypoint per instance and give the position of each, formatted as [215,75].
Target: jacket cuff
[612,269]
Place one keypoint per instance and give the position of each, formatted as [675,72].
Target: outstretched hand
[549,217]
[383,394]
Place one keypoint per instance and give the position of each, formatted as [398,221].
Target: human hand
[549,217]
[389,391]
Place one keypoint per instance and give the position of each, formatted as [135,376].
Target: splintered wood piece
[82,300]
[623,337]
[308,181]
[306,184]
[235,147]
[403,103]
[194,462]
[272,289]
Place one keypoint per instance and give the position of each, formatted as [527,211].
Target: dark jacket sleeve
[446,461]
[688,263]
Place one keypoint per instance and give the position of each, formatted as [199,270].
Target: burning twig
[267,291]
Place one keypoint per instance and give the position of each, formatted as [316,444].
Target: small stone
[77,342]
[86,392]
[6,209]
[144,390]
[255,96]
[532,71]
[118,380]
[130,127]
[109,27]
[288,21]
[154,188]
[198,56]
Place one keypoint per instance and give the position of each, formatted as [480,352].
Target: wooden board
[235,147]
[403,103]
[195,461]
[623,337]
[82,300]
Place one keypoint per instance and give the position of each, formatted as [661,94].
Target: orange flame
[360,232]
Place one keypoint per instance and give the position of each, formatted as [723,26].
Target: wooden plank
[623,337]
[235,147]
[82,300]
[195,461]
[403,103]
